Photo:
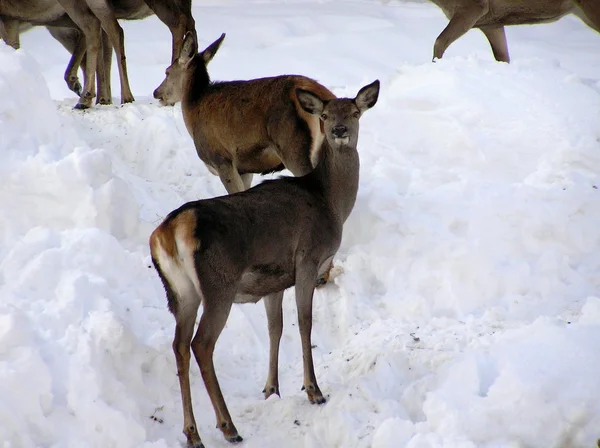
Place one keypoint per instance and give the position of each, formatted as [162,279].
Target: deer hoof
[270,390]
[236,439]
[314,394]
[321,281]
[81,106]
[317,400]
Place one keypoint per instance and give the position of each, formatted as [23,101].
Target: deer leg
[74,42]
[497,39]
[273,306]
[589,12]
[246,180]
[184,331]
[323,279]
[117,39]
[306,278]
[230,177]
[179,21]
[104,63]
[459,24]
[89,24]
[211,324]
[9,32]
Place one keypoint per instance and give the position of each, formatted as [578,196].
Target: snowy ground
[468,312]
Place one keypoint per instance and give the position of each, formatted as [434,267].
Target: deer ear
[367,96]
[310,102]
[189,48]
[212,49]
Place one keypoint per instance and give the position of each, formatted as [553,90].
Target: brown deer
[491,16]
[243,247]
[59,13]
[176,14]
[243,127]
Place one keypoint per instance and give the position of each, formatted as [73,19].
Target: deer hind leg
[306,277]
[461,22]
[117,39]
[497,39]
[89,24]
[273,307]
[74,42]
[184,330]
[214,316]
[589,12]
[184,305]
[103,72]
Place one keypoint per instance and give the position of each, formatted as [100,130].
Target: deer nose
[156,94]
[339,131]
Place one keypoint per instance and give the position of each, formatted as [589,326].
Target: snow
[468,310]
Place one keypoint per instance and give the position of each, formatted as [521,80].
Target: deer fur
[243,127]
[59,13]
[176,14]
[491,16]
[257,243]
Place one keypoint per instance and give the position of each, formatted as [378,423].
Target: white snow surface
[468,310]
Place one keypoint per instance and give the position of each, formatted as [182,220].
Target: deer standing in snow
[16,16]
[491,16]
[243,247]
[243,127]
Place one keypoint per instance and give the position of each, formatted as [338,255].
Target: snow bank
[467,313]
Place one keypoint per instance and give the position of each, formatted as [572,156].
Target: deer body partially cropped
[18,15]
[491,16]
[257,243]
[59,13]
[243,127]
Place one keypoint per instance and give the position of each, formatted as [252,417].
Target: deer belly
[262,280]
[258,159]
[519,12]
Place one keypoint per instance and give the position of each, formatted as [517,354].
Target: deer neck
[195,81]
[338,172]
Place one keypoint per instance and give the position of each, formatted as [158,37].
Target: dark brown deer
[491,16]
[257,243]
[243,127]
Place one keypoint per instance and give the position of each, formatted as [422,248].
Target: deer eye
[323,117]
[356,114]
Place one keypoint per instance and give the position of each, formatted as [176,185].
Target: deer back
[256,124]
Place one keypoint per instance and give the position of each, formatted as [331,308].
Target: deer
[60,13]
[491,16]
[176,14]
[255,244]
[243,127]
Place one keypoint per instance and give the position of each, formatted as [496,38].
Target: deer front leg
[215,313]
[89,24]
[230,177]
[306,278]
[497,39]
[274,310]
[184,330]
[9,32]
[461,22]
